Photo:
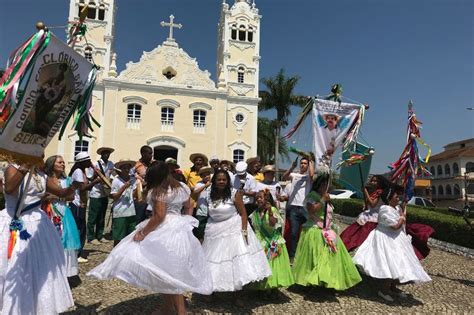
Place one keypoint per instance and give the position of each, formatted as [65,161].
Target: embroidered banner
[55,83]
[333,124]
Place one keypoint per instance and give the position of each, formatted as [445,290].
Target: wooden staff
[102,177]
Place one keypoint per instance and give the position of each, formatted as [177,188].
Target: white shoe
[104,240]
[95,242]
[82,260]
[386,297]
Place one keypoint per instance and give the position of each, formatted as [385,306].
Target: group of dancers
[163,255]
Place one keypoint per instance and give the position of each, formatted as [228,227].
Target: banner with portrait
[57,79]
[333,124]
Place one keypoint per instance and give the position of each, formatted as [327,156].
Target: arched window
[134,115]
[447,170]
[91,10]
[238,155]
[167,115]
[440,170]
[242,33]
[470,189]
[233,32]
[81,6]
[250,34]
[240,75]
[455,169]
[433,190]
[88,53]
[199,118]
[432,171]
[469,167]
[449,192]
[102,12]
[81,146]
[440,190]
[456,190]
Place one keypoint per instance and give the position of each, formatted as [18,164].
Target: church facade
[165,100]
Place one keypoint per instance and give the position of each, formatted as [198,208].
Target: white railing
[133,123]
[167,125]
[199,128]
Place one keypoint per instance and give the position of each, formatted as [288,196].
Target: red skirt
[420,233]
[354,235]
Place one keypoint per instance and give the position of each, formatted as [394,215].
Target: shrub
[448,227]
[440,210]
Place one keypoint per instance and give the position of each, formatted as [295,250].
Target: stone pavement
[451,291]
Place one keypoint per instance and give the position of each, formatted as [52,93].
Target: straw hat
[205,169]
[124,162]
[194,156]
[104,149]
[268,168]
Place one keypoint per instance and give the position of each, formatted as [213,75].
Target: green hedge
[440,210]
[448,228]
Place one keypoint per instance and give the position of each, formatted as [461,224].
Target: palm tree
[279,95]
[266,141]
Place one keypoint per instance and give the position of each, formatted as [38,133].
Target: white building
[453,170]
[165,100]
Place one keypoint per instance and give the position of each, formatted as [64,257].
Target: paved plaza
[451,291]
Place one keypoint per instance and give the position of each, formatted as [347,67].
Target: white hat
[82,156]
[214,158]
[241,168]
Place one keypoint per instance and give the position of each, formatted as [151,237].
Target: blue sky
[383,52]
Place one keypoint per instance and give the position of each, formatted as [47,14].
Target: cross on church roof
[171,25]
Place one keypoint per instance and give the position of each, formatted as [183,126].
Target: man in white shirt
[82,161]
[296,212]
[245,182]
[123,208]
[99,198]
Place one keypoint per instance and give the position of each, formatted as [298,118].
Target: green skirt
[281,273]
[316,265]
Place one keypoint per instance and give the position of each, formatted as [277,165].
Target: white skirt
[33,280]
[169,260]
[390,255]
[233,263]
[72,266]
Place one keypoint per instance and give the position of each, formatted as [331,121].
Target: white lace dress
[169,260]
[388,253]
[33,280]
[232,262]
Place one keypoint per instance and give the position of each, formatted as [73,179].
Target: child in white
[387,253]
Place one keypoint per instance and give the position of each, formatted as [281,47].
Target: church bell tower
[100,21]
[238,50]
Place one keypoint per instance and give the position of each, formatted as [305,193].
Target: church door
[162,152]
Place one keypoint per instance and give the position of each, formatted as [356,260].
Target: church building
[165,100]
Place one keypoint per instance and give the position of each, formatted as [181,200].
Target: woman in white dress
[32,265]
[163,255]
[232,250]
[387,252]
